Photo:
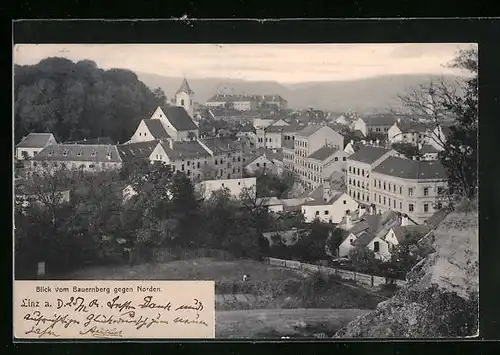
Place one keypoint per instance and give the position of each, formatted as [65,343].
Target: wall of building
[235,186]
[332,213]
[383,252]
[142,134]
[185,100]
[87,166]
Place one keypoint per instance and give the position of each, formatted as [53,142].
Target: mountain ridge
[376,93]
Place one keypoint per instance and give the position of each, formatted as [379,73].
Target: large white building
[236,187]
[33,144]
[331,211]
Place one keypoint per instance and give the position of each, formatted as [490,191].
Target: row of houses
[246,102]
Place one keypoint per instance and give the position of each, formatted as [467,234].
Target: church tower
[184,97]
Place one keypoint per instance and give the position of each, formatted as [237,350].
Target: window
[336,158]
[326,212]
[378,129]
[410,207]
[173,167]
[426,207]
[426,191]
[188,163]
[349,169]
[345,202]
[410,191]
[358,183]
[394,203]
[198,165]
[343,158]
[216,162]
[367,198]
[389,201]
[379,184]
[258,165]
[439,205]
[440,190]
[239,158]
[182,102]
[317,213]
[264,165]
[229,176]
[384,200]
[394,188]
[182,167]
[401,190]
[379,199]
[363,172]
[358,195]
[358,171]
[384,185]
[389,187]
[401,205]
[189,172]
[91,165]
[376,247]
[35,152]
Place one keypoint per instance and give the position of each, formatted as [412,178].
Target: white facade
[346,246]
[329,213]
[380,248]
[183,99]
[31,151]
[360,125]
[260,164]
[142,133]
[235,186]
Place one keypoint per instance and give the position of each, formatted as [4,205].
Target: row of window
[357,171]
[359,196]
[75,165]
[358,184]
[378,129]
[387,186]
[302,144]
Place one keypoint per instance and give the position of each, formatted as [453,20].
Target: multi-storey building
[408,132]
[322,164]
[308,141]
[87,157]
[235,102]
[273,136]
[412,187]
[33,144]
[374,124]
[359,167]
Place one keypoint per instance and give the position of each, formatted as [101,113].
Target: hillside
[441,297]
[377,93]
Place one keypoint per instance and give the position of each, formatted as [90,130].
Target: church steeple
[185,88]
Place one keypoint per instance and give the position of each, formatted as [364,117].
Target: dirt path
[275,323]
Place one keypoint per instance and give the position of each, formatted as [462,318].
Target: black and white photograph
[329,190]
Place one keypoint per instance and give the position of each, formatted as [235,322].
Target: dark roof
[35,140]
[358,134]
[410,234]
[288,144]
[379,120]
[427,148]
[247,128]
[156,128]
[412,127]
[184,150]
[434,220]
[138,150]
[323,153]
[310,130]
[221,145]
[367,154]
[79,152]
[98,140]
[319,200]
[179,118]
[286,128]
[446,130]
[271,154]
[411,169]
[185,87]
[363,239]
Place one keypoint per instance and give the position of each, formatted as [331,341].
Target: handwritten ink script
[114,309]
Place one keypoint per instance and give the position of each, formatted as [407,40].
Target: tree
[363,259]
[160,96]
[312,244]
[334,240]
[440,100]
[407,149]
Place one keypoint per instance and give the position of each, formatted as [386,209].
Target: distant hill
[366,95]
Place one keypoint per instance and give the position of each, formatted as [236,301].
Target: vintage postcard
[245,191]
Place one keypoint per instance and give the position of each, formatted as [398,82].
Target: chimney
[404,220]
[348,220]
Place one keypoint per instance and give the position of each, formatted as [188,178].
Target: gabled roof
[156,128]
[412,127]
[434,220]
[221,145]
[80,152]
[368,154]
[379,120]
[310,130]
[35,140]
[185,87]
[323,153]
[411,169]
[319,201]
[363,239]
[179,118]
[138,150]
[184,150]
[410,234]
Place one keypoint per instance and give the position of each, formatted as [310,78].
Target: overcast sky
[285,63]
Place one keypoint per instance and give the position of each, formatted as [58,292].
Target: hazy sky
[285,63]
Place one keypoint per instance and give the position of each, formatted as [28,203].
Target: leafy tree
[407,149]
[363,259]
[402,258]
[311,246]
[374,136]
[160,96]
[334,240]
[79,100]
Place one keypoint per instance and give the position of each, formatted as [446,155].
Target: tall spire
[185,87]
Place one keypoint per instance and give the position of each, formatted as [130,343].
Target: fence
[170,254]
[366,279]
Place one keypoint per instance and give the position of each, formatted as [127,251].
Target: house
[258,164]
[428,152]
[287,237]
[166,122]
[273,135]
[235,102]
[411,132]
[236,187]
[351,147]
[330,211]
[374,124]
[412,187]
[322,163]
[89,157]
[271,101]
[308,141]
[188,157]
[33,144]
[364,226]
[273,204]
[227,158]
[400,235]
[334,183]
[138,150]
[438,136]
[359,167]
